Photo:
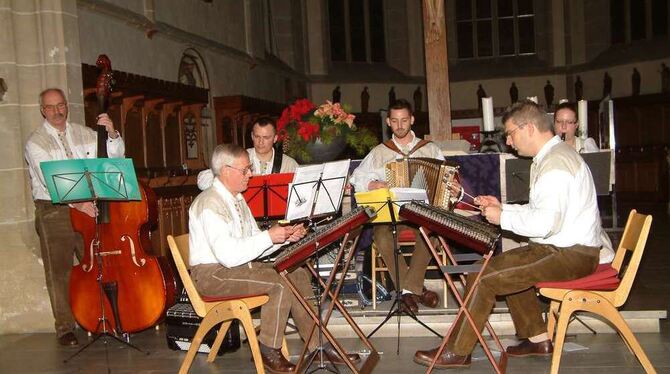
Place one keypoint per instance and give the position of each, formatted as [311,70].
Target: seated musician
[566,126]
[371,175]
[263,156]
[225,247]
[562,224]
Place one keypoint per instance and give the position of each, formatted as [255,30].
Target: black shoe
[69,339]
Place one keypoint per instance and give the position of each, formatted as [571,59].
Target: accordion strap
[277,161]
[390,144]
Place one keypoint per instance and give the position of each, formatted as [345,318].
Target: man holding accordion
[371,175]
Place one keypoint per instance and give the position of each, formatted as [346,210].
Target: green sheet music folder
[91,178]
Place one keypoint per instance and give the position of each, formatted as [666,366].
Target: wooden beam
[437,69]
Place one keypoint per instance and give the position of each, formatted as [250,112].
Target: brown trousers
[411,277]
[58,243]
[513,274]
[261,278]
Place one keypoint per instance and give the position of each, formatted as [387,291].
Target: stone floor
[601,353]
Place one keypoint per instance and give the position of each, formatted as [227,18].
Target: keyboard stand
[456,268]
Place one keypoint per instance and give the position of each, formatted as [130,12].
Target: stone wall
[40,49]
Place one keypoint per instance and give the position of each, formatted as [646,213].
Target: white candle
[583,117]
[532,98]
[487,113]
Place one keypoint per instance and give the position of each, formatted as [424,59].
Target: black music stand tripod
[399,306]
[323,362]
[86,185]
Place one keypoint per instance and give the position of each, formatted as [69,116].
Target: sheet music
[404,195]
[303,189]
[329,197]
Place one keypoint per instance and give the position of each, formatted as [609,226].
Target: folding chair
[601,293]
[215,310]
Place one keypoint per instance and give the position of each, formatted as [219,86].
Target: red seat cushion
[605,278]
[215,299]
[406,236]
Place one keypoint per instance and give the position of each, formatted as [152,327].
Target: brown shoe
[528,348]
[68,339]
[445,361]
[429,298]
[335,358]
[274,361]
[408,303]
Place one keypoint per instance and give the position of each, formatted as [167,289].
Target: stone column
[40,49]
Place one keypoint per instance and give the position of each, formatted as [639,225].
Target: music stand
[316,192]
[392,205]
[267,195]
[101,179]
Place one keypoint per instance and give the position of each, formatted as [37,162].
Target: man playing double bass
[59,139]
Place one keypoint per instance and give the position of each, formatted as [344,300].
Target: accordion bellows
[429,174]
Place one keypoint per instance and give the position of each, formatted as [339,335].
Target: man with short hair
[59,139]
[263,156]
[562,223]
[226,245]
[371,175]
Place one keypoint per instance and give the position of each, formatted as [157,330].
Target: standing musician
[562,223]
[370,175]
[225,245]
[264,158]
[59,139]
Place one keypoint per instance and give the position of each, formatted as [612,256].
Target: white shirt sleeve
[366,173]
[590,146]
[34,156]
[545,216]
[116,148]
[229,250]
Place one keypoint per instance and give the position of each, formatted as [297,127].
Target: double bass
[138,287]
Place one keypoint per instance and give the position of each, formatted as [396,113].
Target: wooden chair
[215,310]
[601,293]
[406,238]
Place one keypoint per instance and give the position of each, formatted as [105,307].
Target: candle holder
[491,142]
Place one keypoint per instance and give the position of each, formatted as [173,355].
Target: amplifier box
[182,322]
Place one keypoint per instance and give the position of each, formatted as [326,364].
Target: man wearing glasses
[562,224]
[59,139]
[263,156]
[226,245]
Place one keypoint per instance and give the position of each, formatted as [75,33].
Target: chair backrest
[634,240]
[179,249]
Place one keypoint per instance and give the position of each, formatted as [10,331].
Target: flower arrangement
[303,123]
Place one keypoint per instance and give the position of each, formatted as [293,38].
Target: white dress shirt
[44,145]
[223,230]
[587,145]
[288,165]
[562,208]
[372,168]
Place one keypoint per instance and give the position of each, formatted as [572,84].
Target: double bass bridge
[139,262]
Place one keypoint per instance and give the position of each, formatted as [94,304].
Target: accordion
[428,174]
[475,235]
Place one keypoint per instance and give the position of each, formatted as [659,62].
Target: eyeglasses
[52,108]
[565,122]
[510,133]
[249,169]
